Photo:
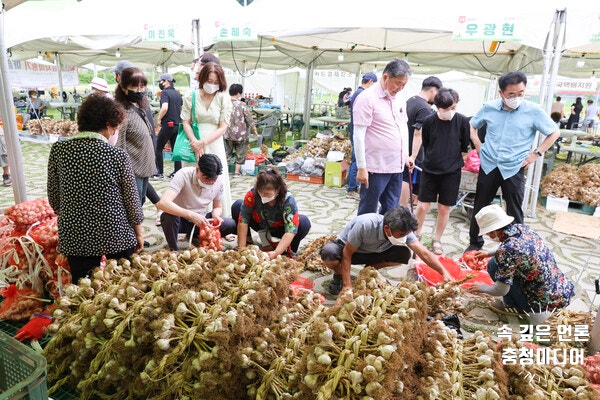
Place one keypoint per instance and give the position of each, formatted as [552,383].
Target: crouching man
[377,241]
[186,201]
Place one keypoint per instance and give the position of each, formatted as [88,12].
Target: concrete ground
[329,210]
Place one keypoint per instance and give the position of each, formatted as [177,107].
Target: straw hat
[491,218]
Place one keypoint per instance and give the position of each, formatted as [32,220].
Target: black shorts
[442,189]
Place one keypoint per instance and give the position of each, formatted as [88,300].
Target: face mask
[210,88]
[397,241]
[135,97]
[34,97]
[113,139]
[204,185]
[161,86]
[265,200]
[513,103]
[446,115]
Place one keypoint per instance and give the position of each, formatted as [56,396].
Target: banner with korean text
[40,75]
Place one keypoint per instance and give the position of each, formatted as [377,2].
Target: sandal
[437,248]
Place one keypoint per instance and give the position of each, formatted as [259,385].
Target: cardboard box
[335,173]
[305,178]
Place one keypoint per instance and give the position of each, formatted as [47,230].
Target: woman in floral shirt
[271,208]
[523,267]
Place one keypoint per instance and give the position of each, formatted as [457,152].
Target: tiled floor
[329,210]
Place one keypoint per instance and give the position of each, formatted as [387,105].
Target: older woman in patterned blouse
[92,188]
[523,268]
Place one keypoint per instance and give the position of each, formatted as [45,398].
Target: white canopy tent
[311,34]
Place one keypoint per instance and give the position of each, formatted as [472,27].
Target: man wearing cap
[418,108]
[523,268]
[378,241]
[121,65]
[168,119]
[381,139]
[100,87]
[352,192]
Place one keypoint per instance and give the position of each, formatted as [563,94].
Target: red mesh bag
[210,235]
[29,212]
[432,277]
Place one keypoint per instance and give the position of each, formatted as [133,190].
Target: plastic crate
[22,371]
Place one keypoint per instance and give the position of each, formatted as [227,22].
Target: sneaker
[157,176]
[237,175]
[353,194]
[171,175]
[335,285]
[6,181]
[500,308]
[146,244]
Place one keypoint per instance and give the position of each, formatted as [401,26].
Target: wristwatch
[539,153]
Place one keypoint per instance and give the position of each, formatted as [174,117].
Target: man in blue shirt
[512,123]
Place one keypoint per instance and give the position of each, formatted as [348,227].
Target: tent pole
[308,100]
[552,58]
[196,38]
[9,120]
[60,80]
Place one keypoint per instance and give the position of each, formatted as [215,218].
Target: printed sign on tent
[488,28]
[32,74]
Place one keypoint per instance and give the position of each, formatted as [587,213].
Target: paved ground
[329,210]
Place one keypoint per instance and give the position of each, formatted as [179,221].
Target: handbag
[182,151]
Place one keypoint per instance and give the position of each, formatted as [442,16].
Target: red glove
[34,329]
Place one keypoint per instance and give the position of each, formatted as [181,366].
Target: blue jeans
[142,187]
[352,170]
[515,298]
[384,189]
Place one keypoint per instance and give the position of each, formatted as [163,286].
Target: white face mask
[113,139]
[210,88]
[265,200]
[204,185]
[388,94]
[513,103]
[446,115]
[397,241]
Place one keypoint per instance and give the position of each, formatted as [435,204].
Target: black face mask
[161,86]
[135,97]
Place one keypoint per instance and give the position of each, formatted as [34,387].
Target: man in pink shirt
[381,139]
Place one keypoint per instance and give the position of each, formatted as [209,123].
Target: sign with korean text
[565,85]
[162,33]
[233,32]
[32,74]
[488,28]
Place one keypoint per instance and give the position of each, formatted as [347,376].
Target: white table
[67,110]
